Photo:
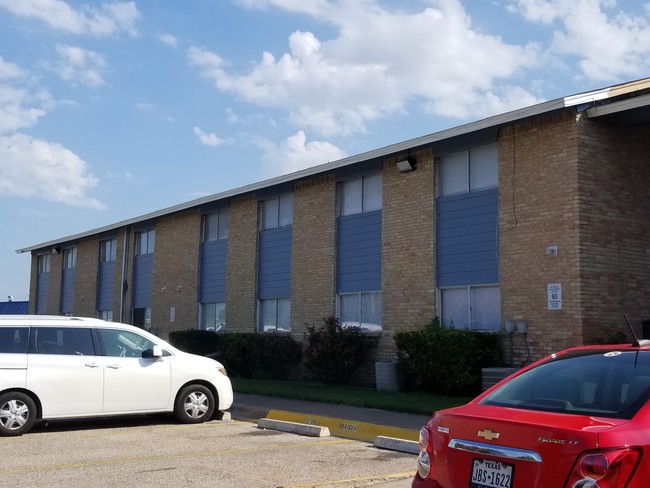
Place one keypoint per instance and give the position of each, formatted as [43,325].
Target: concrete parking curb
[395,444]
[294,427]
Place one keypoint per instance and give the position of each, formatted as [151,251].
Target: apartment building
[534,223]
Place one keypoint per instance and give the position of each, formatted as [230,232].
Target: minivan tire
[194,404]
[17,413]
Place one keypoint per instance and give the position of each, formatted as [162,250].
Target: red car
[576,419]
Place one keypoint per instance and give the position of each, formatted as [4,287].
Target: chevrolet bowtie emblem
[488,435]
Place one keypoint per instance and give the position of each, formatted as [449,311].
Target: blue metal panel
[467,239]
[14,308]
[358,257]
[142,280]
[274,268]
[105,285]
[42,285]
[67,290]
[213,271]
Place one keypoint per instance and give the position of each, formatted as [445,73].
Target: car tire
[17,413]
[194,404]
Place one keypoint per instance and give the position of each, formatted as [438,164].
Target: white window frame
[215,225]
[108,250]
[276,326]
[364,193]
[43,263]
[280,209]
[365,326]
[69,258]
[465,181]
[469,314]
[145,242]
[106,315]
[215,311]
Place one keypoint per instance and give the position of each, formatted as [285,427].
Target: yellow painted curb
[348,429]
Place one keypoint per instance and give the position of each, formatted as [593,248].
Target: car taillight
[605,469]
[424,459]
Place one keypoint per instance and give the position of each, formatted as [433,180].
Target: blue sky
[112,110]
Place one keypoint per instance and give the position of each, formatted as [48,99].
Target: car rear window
[605,383]
[14,339]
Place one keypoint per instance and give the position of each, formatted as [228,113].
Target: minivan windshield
[605,383]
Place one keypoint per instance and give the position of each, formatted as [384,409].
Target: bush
[334,352]
[446,361]
[245,355]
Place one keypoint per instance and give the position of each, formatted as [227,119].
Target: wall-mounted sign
[554,294]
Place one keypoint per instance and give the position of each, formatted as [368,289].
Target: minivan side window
[14,340]
[122,343]
[74,341]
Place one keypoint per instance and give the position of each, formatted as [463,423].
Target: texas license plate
[491,474]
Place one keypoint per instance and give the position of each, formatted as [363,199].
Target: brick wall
[54,284]
[538,184]
[85,287]
[614,209]
[408,249]
[241,271]
[175,272]
[313,258]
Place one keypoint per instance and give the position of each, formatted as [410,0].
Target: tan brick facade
[408,248]
[241,271]
[85,286]
[174,303]
[313,258]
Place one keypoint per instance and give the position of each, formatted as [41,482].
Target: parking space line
[394,476]
[106,462]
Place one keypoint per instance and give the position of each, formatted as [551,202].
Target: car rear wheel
[17,413]
[195,404]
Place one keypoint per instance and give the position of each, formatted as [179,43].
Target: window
[215,226]
[69,258]
[43,263]
[471,307]
[145,242]
[213,316]
[71,341]
[468,171]
[274,315]
[361,310]
[13,340]
[360,195]
[142,318]
[105,315]
[277,212]
[108,250]
[122,343]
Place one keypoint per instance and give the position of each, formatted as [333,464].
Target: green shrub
[333,352]
[446,361]
[245,355]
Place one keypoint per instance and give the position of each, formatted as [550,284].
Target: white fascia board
[615,107]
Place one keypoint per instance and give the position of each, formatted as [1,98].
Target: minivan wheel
[17,413]
[194,404]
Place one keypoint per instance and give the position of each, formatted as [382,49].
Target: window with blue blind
[106,278]
[212,283]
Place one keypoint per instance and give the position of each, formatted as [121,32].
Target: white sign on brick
[554,294]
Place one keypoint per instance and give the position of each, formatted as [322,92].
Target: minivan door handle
[113,366]
[91,365]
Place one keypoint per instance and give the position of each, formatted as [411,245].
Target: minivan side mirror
[156,352]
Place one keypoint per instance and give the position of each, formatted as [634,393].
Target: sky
[111,110]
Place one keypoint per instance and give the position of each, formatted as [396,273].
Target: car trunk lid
[489,446]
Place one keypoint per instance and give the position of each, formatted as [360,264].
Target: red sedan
[576,419]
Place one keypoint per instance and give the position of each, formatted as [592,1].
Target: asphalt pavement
[388,430]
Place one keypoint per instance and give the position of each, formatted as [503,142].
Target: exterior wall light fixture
[405,165]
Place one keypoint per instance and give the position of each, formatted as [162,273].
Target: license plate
[490,474]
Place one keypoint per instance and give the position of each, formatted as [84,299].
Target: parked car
[54,367]
[576,419]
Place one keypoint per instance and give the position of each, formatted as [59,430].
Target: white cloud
[610,44]
[9,70]
[168,39]
[295,153]
[394,62]
[109,20]
[207,139]
[15,110]
[80,66]
[36,168]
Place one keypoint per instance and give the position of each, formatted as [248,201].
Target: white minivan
[54,367]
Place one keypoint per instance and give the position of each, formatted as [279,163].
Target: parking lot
[158,451]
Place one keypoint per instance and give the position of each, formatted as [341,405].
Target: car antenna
[637,342]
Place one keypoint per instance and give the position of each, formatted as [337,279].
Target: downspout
[123,286]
